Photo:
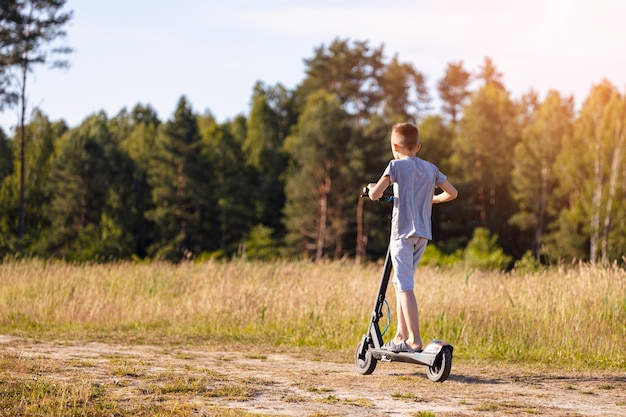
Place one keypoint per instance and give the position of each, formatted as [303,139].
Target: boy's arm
[449,193]
[376,190]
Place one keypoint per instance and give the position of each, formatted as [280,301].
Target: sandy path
[301,384]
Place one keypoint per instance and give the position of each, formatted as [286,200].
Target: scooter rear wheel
[440,370]
[365,364]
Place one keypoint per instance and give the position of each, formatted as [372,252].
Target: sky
[129,52]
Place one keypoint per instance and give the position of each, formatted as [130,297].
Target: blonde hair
[407,134]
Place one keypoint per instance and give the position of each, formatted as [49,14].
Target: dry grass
[572,316]
[61,388]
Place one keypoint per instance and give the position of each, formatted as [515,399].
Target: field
[243,338]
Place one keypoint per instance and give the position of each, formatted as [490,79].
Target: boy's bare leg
[408,304]
[402,331]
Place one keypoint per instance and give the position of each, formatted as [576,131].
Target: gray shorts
[405,255]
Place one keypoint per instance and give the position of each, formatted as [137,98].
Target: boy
[414,181]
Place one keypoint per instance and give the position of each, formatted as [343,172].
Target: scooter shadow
[462,379]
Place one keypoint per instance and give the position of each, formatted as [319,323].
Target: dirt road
[205,382]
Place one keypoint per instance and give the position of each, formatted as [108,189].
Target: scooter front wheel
[365,363]
[440,370]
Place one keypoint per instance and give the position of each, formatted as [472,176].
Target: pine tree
[6,156]
[182,193]
[533,179]
[373,95]
[404,92]
[436,137]
[232,198]
[8,203]
[79,185]
[314,188]
[453,90]
[28,34]
[42,134]
[488,131]
[267,127]
[351,71]
[138,140]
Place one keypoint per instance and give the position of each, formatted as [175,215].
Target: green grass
[572,316]
[407,396]
[361,402]
[41,396]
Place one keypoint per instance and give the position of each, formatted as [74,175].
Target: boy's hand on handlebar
[370,186]
[377,190]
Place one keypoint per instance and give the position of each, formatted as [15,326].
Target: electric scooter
[437,355]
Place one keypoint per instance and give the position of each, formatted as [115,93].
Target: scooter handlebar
[387,195]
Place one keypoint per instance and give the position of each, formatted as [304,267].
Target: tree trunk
[21,214]
[621,242]
[180,193]
[541,211]
[482,200]
[339,233]
[361,239]
[596,200]
[616,161]
[323,222]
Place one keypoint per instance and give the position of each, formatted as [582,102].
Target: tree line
[284,180]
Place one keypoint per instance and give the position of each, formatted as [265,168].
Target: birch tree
[591,170]
[613,126]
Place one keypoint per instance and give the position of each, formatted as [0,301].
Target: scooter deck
[420,358]
[427,357]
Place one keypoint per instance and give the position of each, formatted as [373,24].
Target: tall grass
[572,316]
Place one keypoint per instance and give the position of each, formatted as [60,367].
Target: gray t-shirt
[414,181]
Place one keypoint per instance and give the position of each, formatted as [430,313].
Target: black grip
[387,194]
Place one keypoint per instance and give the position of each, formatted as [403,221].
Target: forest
[537,177]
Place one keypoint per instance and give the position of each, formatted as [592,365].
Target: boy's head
[406,136]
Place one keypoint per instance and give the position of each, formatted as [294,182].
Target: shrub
[435,256]
[260,245]
[527,264]
[483,252]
